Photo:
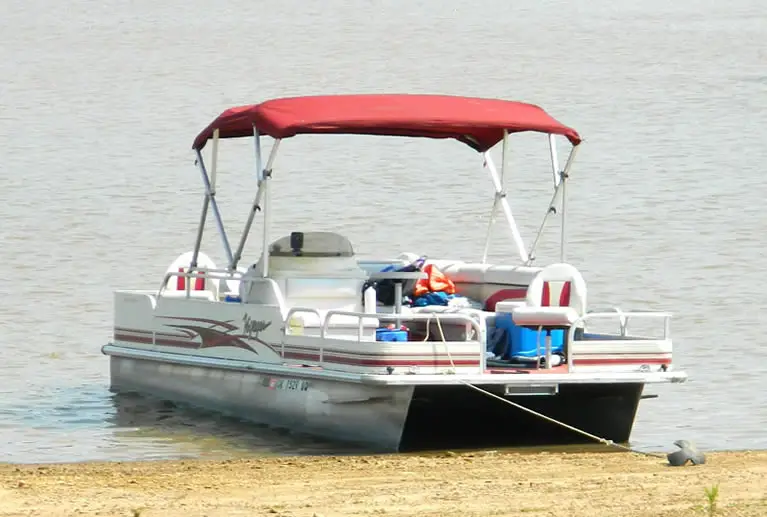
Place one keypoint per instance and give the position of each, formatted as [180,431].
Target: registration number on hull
[275,383]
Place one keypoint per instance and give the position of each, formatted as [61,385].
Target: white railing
[614,313]
[286,324]
[623,319]
[363,316]
[200,272]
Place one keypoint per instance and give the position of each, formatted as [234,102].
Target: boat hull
[388,418]
[367,415]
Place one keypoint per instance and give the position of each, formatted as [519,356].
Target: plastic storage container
[523,341]
[386,334]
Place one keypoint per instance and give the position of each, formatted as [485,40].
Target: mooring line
[604,441]
[599,439]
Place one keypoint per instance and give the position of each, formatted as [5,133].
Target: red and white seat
[556,298]
[199,287]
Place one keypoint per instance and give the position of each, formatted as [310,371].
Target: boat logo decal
[214,333]
[251,328]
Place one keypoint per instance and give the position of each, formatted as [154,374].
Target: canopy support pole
[496,198]
[554,159]
[263,188]
[256,206]
[206,201]
[560,187]
[500,195]
[200,228]
[210,196]
[562,239]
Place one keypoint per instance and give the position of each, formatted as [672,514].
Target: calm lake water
[100,102]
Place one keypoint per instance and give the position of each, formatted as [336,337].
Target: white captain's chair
[556,298]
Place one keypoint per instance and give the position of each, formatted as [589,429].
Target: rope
[444,342]
[604,441]
[599,439]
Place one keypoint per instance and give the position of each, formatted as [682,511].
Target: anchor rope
[599,439]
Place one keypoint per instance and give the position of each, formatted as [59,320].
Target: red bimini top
[476,122]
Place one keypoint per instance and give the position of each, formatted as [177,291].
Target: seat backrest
[177,284]
[485,283]
[558,285]
[491,284]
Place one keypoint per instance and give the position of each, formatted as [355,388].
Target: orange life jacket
[435,282]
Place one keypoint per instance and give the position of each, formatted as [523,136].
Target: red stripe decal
[627,361]
[164,341]
[504,294]
[361,361]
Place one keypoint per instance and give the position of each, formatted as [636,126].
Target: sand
[463,484]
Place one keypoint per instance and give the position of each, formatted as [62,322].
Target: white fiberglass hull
[368,415]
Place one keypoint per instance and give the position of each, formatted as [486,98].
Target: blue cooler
[522,341]
[384,334]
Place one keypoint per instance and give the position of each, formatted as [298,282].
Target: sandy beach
[465,484]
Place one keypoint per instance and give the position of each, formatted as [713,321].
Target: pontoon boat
[386,352]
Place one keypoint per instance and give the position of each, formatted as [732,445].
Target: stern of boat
[459,417]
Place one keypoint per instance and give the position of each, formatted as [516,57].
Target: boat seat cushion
[468,273]
[490,284]
[547,317]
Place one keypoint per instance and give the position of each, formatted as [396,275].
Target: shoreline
[593,484]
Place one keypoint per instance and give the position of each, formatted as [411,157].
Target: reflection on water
[208,433]
[89,423]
